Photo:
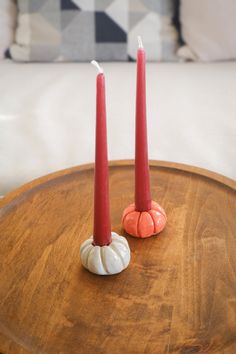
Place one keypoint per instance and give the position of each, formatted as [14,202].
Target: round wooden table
[177,296]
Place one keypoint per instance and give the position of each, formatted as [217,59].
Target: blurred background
[47,84]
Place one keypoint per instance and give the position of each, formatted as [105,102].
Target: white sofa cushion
[47,116]
[208,29]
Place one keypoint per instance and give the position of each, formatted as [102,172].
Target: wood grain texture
[177,296]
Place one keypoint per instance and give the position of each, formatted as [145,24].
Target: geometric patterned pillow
[82,30]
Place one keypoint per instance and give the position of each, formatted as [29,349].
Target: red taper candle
[102,224]
[106,252]
[144,218]
[142,179]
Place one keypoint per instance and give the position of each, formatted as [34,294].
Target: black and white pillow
[81,30]
[7,24]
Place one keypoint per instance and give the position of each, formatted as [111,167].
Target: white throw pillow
[7,24]
[208,29]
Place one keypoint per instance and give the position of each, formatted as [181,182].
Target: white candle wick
[95,63]
[140,42]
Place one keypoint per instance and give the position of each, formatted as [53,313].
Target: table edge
[117,163]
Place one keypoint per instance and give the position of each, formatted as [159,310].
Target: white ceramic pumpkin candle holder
[106,260]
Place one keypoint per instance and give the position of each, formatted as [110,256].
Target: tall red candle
[142,179]
[144,218]
[102,224]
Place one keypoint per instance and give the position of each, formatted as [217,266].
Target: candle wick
[140,42]
[95,63]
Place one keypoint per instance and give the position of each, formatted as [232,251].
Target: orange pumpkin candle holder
[144,223]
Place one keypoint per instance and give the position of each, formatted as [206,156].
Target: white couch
[47,116]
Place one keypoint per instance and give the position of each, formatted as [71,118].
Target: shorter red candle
[102,224]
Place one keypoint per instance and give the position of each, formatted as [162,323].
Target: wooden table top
[177,296]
